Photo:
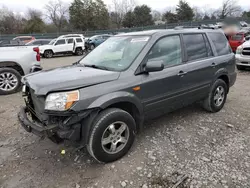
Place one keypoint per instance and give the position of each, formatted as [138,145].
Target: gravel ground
[206,150]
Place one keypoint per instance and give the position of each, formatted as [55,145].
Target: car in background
[63,45]
[96,40]
[243,24]
[16,42]
[25,39]
[243,56]
[72,35]
[235,40]
[38,42]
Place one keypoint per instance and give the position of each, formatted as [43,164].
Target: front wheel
[48,54]
[112,135]
[217,96]
[79,51]
[10,81]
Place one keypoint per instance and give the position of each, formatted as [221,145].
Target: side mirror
[154,66]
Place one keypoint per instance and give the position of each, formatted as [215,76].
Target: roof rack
[204,27]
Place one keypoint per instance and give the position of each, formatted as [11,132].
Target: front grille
[246,51]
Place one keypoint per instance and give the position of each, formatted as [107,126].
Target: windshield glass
[117,53]
[52,42]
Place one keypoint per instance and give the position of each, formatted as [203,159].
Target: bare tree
[229,8]
[119,9]
[57,13]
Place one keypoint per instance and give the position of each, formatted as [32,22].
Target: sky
[22,5]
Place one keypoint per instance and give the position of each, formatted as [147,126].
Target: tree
[170,17]
[143,16]
[129,20]
[246,14]
[184,11]
[198,14]
[156,15]
[119,9]
[229,8]
[206,17]
[34,23]
[57,12]
[88,14]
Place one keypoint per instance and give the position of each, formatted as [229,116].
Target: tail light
[38,57]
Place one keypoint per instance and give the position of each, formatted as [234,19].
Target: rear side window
[70,41]
[78,40]
[195,46]
[220,42]
[237,37]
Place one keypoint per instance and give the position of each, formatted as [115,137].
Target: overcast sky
[22,5]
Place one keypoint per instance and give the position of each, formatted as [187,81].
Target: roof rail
[204,27]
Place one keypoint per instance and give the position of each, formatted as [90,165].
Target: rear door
[200,67]
[80,42]
[70,44]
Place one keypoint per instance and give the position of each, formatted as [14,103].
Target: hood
[246,44]
[67,78]
[41,48]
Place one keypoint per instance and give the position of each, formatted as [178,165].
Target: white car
[243,56]
[64,45]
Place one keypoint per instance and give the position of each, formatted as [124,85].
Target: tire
[10,81]
[240,67]
[79,51]
[107,122]
[210,103]
[92,47]
[48,54]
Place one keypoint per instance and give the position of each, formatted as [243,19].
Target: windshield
[117,53]
[52,42]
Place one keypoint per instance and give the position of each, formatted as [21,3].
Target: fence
[91,33]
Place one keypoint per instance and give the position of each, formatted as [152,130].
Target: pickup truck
[15,62]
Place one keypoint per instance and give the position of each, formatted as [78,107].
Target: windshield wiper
[97,67]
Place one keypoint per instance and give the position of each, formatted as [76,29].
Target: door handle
[182,73]
[213,65]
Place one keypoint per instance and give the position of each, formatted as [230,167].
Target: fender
[11,64]
[220,72]
[116,97]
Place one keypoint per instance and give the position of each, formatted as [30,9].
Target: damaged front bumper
[68,128]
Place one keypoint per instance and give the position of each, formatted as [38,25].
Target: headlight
[61,101]
[239,50]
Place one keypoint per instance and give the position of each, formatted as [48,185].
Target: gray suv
[102,101]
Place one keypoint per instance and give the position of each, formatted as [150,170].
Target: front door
[60,46]
[162,91]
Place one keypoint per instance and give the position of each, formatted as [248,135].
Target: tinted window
[45,42]
[237,37]
[220,42]
[37,43]
[70,41]
[195,46]
[78,40]
[208,47]
[168,50]
[60,42]
[25,38]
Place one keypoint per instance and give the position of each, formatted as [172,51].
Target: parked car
[38,42]
[16,42]
[102,101]
[63,45]
[243,24]
[235,40]
[96,40]
[16,62]
[243,56]
[71,35]
[24,39]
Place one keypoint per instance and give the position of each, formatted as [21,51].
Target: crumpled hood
[67,78]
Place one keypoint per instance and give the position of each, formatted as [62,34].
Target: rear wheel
[112,135]
[92,46]
[79,51]
[217,96]
[10,81]
[48,54]
[240,67]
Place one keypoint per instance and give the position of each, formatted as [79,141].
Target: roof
[168,31]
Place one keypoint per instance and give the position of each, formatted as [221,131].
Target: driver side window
[167,50]
[60,42]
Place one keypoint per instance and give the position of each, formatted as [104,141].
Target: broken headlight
[61,101]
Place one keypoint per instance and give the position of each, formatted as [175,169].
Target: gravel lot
[211,150]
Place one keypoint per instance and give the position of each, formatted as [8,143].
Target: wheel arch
[223,75]
[12,64]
